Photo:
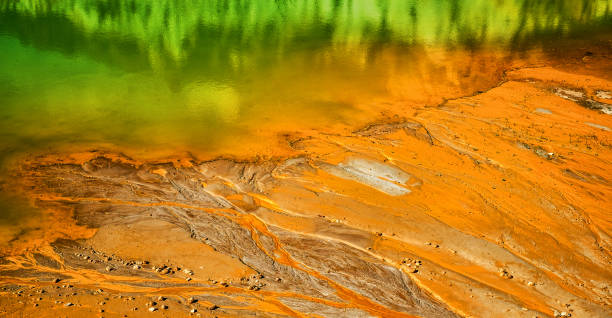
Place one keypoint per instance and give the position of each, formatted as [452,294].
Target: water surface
[197,75]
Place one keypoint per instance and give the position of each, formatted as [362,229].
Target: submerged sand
[495,204]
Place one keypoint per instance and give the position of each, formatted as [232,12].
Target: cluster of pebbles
[62,292]
[54,294]
[411,265]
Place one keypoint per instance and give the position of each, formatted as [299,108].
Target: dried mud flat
[492,205]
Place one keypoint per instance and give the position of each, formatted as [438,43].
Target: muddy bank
[492,205]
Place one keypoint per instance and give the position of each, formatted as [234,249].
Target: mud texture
[496,204]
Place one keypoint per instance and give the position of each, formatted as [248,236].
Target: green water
[186,74]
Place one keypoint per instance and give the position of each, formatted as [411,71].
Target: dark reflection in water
[138,34]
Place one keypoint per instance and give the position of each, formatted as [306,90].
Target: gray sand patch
[598,126]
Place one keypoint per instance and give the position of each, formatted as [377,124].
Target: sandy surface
[495,204]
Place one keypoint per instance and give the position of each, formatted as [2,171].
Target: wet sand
[494,203]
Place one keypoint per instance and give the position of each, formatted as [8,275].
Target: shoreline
[486,196]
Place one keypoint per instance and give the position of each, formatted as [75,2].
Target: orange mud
[495,204]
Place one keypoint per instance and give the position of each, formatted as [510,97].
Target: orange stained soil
[491,200]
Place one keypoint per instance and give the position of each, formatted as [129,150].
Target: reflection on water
[187,74]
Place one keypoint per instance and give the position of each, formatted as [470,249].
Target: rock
[164,306]
[108,268]
[191,300]
[152,309]
[188,271]
[164,271]
[530,283]
[193,311]
[68,304]
[57,280]
[188,279]
[161,298]
[213,307]
[505,274]
[136,267]
[604,94]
